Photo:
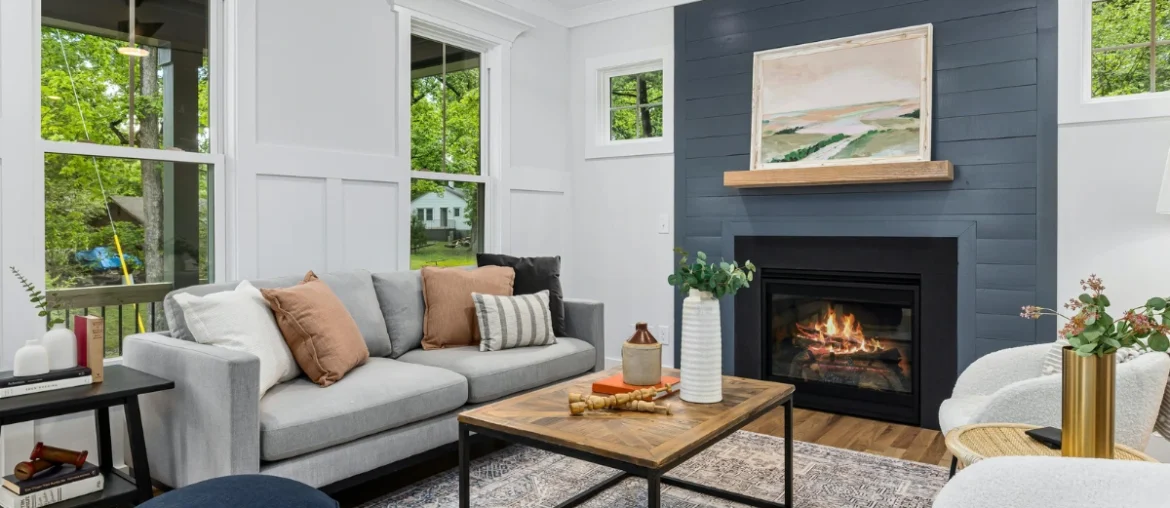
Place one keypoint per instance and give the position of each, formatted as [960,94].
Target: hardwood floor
[870,436]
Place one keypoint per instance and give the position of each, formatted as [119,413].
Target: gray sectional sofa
[401,403]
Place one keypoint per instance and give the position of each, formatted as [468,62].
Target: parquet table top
[648,440]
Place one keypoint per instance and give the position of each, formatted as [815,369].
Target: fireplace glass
[844,340]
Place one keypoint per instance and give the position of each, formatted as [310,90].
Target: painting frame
[923,35]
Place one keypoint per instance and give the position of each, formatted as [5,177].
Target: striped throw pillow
[507,322]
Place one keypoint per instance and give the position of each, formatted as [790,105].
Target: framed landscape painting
[856,100]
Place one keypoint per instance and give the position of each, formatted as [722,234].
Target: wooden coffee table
[636,444]
[971,443]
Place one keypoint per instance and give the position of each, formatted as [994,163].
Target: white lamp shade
[1164,193]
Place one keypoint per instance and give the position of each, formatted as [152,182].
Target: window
[629,104]
[1130,47]
[635,106]
[130,158]
[455,211]
[446,149]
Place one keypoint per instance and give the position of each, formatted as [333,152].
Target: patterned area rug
[745,462]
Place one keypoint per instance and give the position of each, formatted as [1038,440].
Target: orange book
[614,385]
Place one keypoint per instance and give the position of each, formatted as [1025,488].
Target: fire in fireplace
[844,340]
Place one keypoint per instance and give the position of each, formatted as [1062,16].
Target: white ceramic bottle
[31,359]
[61,345]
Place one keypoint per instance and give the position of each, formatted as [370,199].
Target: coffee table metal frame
[655,477]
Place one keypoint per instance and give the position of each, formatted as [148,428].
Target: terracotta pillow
[449,320]
[323,337]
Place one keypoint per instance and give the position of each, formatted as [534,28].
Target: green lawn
[438,254]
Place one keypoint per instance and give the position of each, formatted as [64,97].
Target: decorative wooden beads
[46,457]
[633,401]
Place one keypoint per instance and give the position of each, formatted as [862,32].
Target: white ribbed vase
[702,349]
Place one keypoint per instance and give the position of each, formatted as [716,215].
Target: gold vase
[1087,405]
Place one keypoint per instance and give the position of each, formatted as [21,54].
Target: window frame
[598,101]
[637,107]
[494,47]
[220,268]
[1075,72]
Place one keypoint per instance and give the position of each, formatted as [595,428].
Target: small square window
[635,106]
[455,212]
[1130,47]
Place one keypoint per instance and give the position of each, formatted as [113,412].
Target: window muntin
[1130,42]
[635,106]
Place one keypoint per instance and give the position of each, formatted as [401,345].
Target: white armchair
[1007,387]
[1056,482]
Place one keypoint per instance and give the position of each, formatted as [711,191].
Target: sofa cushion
[534,275]
[175,319]
[494,374]
[355,290]
[401,300]
[300,417]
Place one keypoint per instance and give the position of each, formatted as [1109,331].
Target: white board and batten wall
[622,206]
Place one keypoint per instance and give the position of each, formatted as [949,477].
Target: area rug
[745,462]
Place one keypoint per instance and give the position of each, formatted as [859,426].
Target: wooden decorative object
[59,455]
[890,172]
[635,401]
[26,470]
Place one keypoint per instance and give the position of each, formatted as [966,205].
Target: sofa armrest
[209,424]
[585,320]
[996,370]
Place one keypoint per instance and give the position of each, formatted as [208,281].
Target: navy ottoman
[244,491]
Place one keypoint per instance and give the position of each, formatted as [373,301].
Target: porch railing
[120,306]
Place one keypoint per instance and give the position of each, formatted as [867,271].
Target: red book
[91,344]
[614,385]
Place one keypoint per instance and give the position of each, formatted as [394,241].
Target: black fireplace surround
[864,326]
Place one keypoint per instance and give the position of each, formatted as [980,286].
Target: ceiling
[572,13]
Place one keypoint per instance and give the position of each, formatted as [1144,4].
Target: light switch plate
[662,333]
[664,224]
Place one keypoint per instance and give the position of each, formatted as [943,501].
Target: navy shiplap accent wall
[995,119]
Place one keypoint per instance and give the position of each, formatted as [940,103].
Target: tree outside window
[445,139]
[635,106]
[1131,47]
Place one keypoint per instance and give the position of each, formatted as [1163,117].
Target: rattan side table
[971,443]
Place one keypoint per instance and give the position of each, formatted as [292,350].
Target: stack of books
[58,484]
[12,386]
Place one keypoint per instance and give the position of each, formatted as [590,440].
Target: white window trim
[598,71]
[1076,104]
[491,34]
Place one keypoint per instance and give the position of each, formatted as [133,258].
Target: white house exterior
[446,211]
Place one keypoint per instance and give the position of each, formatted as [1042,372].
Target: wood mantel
[928,171]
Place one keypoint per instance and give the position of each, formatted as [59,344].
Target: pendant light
[130,49]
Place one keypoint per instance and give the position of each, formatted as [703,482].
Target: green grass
[438,254]
[802,153]
[876,141]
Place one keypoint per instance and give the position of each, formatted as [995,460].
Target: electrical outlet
[662,333]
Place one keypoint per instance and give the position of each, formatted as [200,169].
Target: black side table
[121,387]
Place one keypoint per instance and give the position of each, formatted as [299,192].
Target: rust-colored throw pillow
[449,320]
[323,337]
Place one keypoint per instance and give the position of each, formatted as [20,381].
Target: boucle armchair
[1056,482]
[1007,386]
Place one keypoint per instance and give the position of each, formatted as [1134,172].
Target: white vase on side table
[31,359]
[61,345]
[702,349]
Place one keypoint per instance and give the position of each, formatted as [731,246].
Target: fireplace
[844,338]
[864,326]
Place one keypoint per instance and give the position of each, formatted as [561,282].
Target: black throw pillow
[534,275]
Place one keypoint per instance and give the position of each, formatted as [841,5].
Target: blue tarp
[105,258]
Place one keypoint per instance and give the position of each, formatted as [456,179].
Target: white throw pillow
[242,321]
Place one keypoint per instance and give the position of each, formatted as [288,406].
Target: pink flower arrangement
[1092,331]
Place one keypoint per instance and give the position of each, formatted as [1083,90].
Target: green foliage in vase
[36,297]
[720,279]
[1092,331]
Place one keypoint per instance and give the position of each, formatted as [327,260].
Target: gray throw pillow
[401,300]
